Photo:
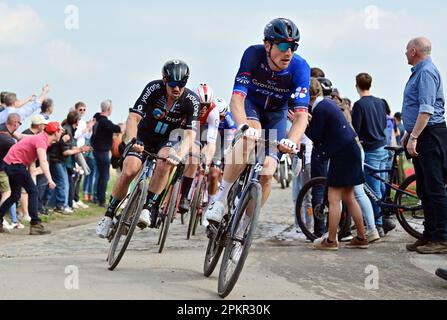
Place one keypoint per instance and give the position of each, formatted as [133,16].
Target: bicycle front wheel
[236,250]
[411,218]
[127,223]
[167,219]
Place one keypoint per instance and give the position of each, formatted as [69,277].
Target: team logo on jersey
[158,114]
[301,92]
[243,78]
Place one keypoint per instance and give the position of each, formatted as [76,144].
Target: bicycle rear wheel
[312,208]
[127,223]
[167,219]
[236,251]
[195,207]
[411,219]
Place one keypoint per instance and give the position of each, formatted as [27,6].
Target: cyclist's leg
[236,161]
[188,177]
[131,167]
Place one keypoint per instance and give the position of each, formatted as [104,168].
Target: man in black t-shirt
[164,108]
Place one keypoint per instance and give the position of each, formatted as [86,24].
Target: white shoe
[67,210]
[103,227]
[6,225]
[215,211]
[26,219]
[372,235]
[75,205]
[145,219]
[17,225]
[81,205]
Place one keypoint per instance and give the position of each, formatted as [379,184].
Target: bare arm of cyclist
[237,109]
[298,127]
[132,126]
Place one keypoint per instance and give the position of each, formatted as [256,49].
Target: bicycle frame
[385,202]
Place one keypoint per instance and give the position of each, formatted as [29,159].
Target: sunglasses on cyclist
[284,46]
[174,84]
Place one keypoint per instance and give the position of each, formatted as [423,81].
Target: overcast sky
[95,50]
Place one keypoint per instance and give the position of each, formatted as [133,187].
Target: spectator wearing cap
[102,139]
[6,142]
[38,124]
[15,162]
[16,106]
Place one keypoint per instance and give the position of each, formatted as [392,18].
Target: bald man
[426,142]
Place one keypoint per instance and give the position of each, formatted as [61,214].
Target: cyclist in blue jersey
[267,77]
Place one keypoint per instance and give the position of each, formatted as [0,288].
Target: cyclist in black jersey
[164,120]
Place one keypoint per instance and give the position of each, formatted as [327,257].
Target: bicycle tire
[400,197]
[194,207]
[134,207]
[253,193]
[199,215]
[344,218]
[170,215]
[213,253]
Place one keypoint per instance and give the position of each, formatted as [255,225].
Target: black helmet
[281,29]
[326,84]
[175,70]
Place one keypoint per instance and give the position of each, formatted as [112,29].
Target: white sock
[223,191]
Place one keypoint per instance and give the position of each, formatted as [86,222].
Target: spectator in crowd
[102,138]
[89,180]
[6,142]
[335,140]
[70,125]
[426,142]
[369,121]
[317,73]
[18,157]
[83,132]
[16,106]
[47,108]
[2,100]
[38,124]
[400,128]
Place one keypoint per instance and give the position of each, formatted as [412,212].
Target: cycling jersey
[210,125]
[227,122]
[156,124]
[270,90]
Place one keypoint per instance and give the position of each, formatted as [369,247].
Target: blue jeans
[20,178]
[430,187]
[364,202]
[89,180]
[59,196]
[377,159]
[102,159]
[42,186]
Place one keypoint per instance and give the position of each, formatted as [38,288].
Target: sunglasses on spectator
[82,109]
[179,84]
[284,46]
